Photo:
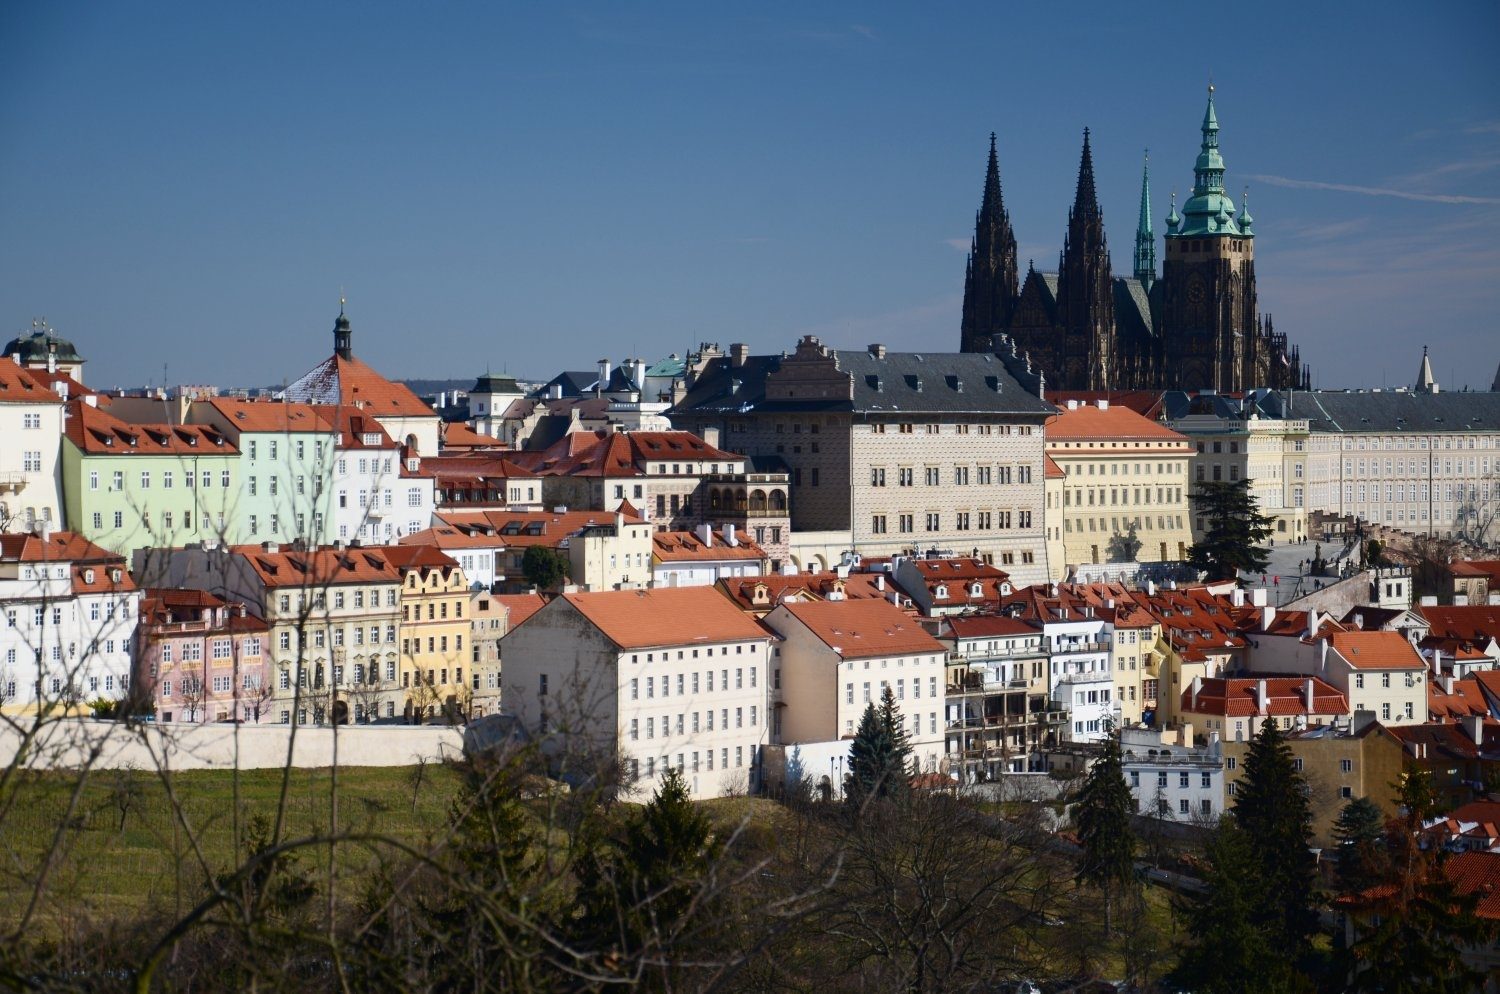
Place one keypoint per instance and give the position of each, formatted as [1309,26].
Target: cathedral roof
[1133,308]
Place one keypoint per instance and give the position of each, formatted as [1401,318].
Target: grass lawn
[104,869]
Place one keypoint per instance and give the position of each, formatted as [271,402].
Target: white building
[836,657]
[31,423]
[1081,649]
[70,613]
[1170,777]
[1379,672]
[701,558]
[668,679]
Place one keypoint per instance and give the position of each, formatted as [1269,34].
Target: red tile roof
[1051,470]
[269,415]
[1466,700]
[416,556]
[805,586]
[1238,697]
[1144,402]
[1470,872]
[97,432]
[622,454]
[1376,650]
[457,435]
[17,387]
[989,626]
[520,606]
[523,528]
[859,629]
[325,565]
[1090,424]
[687,546]
[1476,622]
[665,616]
[352,383]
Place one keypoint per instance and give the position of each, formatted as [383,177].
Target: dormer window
[370,438]
[975,590]
[942,592]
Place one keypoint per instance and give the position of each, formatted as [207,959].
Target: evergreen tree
[1230,952]
[638,893]
[879,753]
[1103,817]
[545,568]
[1234,533]
[1271,806]
[1362,858]
[1425,923]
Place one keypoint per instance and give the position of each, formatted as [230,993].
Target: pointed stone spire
[1145,239]
[1085,199]
[991,283]
[1426,383]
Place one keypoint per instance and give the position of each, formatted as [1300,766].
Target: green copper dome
[1209,211]
[34,348]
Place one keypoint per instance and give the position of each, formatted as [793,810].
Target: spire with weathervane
[990,283]
[343,334]
[1145,239]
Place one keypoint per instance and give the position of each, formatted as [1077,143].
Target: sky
[186,189]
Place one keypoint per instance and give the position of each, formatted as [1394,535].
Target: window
[1182,805]
[542,685]
[1346,766]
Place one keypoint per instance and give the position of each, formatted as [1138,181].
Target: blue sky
[185,187]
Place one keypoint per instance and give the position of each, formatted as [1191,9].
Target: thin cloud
[1373,191]
[958,244]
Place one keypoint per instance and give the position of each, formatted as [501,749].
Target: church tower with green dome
[1210,321]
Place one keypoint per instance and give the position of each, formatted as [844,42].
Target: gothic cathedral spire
[1145,240]
[990,283]
[1085,295]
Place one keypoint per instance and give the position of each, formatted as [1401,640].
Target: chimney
[1307,695]
[1474,726]
[880,581]
[1262,698]
[1437,662]
[877,350]
[1359,622]
[1267,615]
[738,353]
[269,547]
[1103,404]
[1197,686]
[1150,588]
[1258,597]
[1460,600]
[1072,404]
[603,376]
[706,534]
[1447,685]
[554,392]
[730,538]
[1237,597]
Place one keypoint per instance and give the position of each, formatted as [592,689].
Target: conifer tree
[1230,951]
[1362,858]
[1103,817]
[895,729]
[1271,806]
[1425,923]
[879,753]
[1234,533]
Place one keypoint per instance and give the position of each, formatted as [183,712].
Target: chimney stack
[1262,698]
[1307,693]
[706,534]
[877,350]
[730,538]
[1197,686]
[738,353]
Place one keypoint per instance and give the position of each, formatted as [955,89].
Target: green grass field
[104,869]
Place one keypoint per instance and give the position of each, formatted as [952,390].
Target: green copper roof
[1209,211]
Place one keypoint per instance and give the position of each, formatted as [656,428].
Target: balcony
[12,482]
[1063,647]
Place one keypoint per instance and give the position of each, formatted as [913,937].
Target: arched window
[778,500]
[758,501]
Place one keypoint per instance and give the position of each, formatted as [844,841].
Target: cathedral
[1196,327]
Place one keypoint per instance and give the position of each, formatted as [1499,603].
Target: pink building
[202,659]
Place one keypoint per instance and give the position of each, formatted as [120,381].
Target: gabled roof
[523,528]
[1476,622]
[1146,403]
[622,453]
[520,606]
[860,629]
[16,387]
[989,626]
[1470,873]
[801,586]
[322,566]
[1466,700]
[665,616]
[1376,650]
[457,435]
[55,547]
[1090,423]
[688,546]
[1389,411]
[1051,470]
[270,415]
[1132,309]
[353,383]
[415,556]
[97,432]
[1238,697]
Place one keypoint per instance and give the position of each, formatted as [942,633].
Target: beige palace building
[1121,471]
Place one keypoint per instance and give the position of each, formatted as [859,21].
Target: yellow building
[1125,493]
[434,631]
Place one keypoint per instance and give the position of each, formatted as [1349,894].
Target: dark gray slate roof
[900,383]
[1389,411]
[1132,307]
[574,383]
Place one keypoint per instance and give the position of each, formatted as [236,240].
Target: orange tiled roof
[806,586]
[99,433]
[270,415]
[1051,470]
[1376,650]
[324,565]
[1466,699]
[16,387]
[457,435]
[665,616]
[353,383]
[523,528]
[1090,424]
[1470,872]
[859,629]
[687,546]
[1475,622]
[1236,697]
[418,556]
[990,626]
[520,606]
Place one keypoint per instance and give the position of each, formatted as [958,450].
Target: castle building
[1198,326]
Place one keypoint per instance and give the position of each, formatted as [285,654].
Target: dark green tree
[879,753]
[1103,818]
[1271,806]
[639,893]
[1234,532]
[1425,921]
[1362,858]
[1375,553]
[545,568]
[1230,951]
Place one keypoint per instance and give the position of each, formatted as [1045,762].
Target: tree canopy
[1103,818]
[1271,806]
[1234,530]
[545,568]
[879,753]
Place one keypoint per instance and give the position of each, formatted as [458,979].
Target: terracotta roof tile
[99,433]
[665,616]
[687,546]
[17,387]
[859,629]
[1237,697]
[1376,650]
[1089,424]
